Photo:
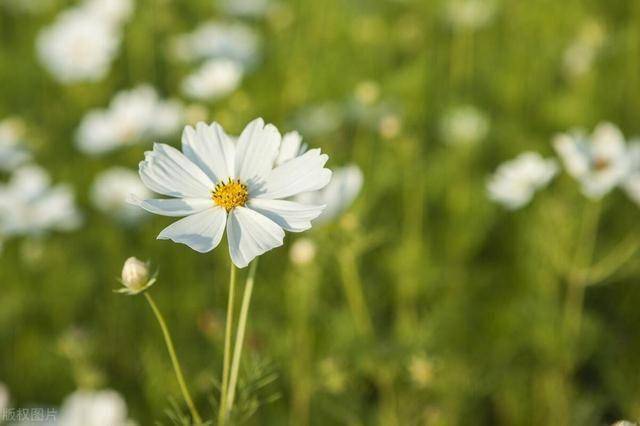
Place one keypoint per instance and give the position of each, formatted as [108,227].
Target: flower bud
[135,274]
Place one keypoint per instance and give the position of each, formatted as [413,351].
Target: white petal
[201,231]
[289,215]
[302,174]
[290,147]
[172,206]
[211,149]
[167,171]
[256,151]
[250,234]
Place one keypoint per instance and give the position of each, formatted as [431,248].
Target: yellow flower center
[230,194]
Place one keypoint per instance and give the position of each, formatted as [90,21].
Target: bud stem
[174,360]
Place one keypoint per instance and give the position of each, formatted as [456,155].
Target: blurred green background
[465,299]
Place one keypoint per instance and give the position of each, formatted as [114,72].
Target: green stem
[579,277]
[353,290]
[242,326]
[174,360]
[222,412]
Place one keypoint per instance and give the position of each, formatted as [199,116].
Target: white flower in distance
[237,42]
[213,80]
[30,206]
[77,47]
[132,116]
[464,125]
[218,183]
[515,182]
[338,195]
[13,152]
[93,408]
[599,162]
[111,190]
[115,12]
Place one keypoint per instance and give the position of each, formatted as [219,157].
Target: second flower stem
[174,360]
[222,410]
[240,332]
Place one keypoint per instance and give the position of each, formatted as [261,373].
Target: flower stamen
[230,194]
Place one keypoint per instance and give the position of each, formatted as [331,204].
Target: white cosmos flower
[132,116]
[30,206]
[78,46]
[115,12]
[214,79]
[218,40]
[93,408]
[515,182]
[219,183]
[13,152]
[599,161]
[111,190]
[464,125]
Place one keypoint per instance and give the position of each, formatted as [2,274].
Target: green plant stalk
[352,285]
[579,277]
[174,360]
[222,411]
[240,332]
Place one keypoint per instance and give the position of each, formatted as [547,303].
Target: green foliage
[475,292]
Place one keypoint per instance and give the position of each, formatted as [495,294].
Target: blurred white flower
[317,120]
[245,8]
[464,125]
[599,161]
[302,252]
[132,116]
[93,408]
[13,152]
[470,14]
[111,190]
[218,40]
[214,79]
[4,398]
[78,46]
[115,12]
[219,183]
[30,206]
[515,182]
[346,183]
[579,56]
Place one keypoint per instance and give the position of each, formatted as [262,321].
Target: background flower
[515,182]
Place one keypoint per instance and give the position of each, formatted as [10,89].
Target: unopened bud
[135,276]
